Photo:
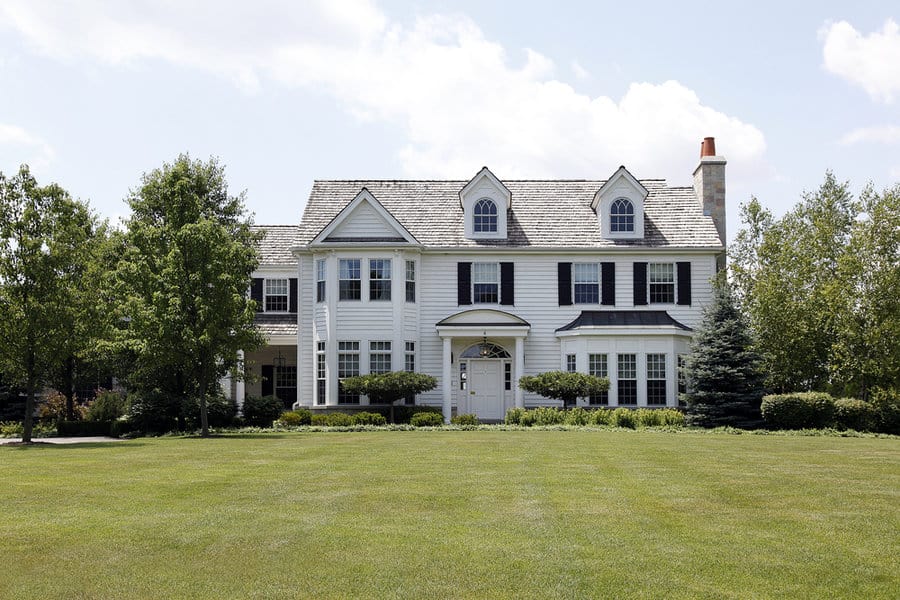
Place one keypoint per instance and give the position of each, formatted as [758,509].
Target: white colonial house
[481,281]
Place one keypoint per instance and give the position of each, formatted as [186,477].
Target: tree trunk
[29,401]
[69,392]
[204,416]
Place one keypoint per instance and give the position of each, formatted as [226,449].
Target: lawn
[453,514]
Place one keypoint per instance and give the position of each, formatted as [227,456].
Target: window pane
[276,295]
[627,366]
[410,281]
[485,286]
[570,363]
[349,283]
[597,366]
[485,216]
[661,282]
[621,216]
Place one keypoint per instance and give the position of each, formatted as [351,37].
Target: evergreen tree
[723,371]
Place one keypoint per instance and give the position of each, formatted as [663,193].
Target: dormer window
[621,216]
[485,215]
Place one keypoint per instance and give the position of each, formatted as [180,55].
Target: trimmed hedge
[262,412]
[850,413]
[426,419]
[578,416]
[465,419]
[802,410]
[369,418]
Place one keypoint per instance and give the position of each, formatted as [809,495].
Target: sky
[95,93]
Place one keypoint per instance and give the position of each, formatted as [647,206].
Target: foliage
[601,416]
[295,418]
[53,408]
[801,410]
[465,419]
[107,406]
[887,407]
[819,286]
[426,419]
[577,416]
[605,417]
[560,385]
[154,411]
[403,414]
[16,428]
[84,428]
[623,417]
[188,256]
[369,418]
[723,378]
[850,413]
[387,388]
[262,411]
[45,250]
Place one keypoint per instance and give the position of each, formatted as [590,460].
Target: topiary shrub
[601,416]
[107,406]
[802,410]
[466,419]
[369,418]
[426,419]
[887,409]
[262,412]
[623,417]
[562,385]
[850,413]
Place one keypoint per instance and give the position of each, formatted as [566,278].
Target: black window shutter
[268,380]
[608,283]
[564,282]
[507,283]
[256,293]
[464,283]
[640,283]
[684,283]
[293,292]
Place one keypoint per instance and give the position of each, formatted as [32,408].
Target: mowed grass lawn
[476,514]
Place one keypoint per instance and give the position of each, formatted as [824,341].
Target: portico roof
[481,322]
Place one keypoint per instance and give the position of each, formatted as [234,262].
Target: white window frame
[380,272]
[380,350]
[286,282]
[321,275]
[480,220]
[598,366]
[349,271]
[410,288]
[621,200]
[576,282]
[651,267]
[478,278]
[657,370]
[620,378]
[347,351]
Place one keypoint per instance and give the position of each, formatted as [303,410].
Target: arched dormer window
[621,216]
[485,215]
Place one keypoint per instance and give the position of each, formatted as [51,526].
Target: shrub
[337,419]
[548,415]
[426,419]
[601,416]
[53,408]
[369,418]
[84,428]
[562,385]
[11,429]
[577,416]
[850,413]
[623,417]
[262,412]
[319,420]
[647,417]
[154,411]
[289,418]
[465,419]
[107,406]
[402,414]
[514,416]
[671,417]
[887,410]
[802,410]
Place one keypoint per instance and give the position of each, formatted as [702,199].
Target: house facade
[478,282]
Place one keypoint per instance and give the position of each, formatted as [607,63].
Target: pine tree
[723,371]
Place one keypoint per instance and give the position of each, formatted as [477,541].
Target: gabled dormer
[364,220]
[485,202]
[619,205]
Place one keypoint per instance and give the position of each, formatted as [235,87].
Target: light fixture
[279,360]
[484,347]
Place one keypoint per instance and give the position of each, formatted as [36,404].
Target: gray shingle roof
[276,324]
[545,214]
[275,247]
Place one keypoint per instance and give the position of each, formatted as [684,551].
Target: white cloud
[18,146]
[579,71]
[459,97]
[886,134]
[870,62]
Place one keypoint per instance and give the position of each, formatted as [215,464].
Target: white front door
[486,389]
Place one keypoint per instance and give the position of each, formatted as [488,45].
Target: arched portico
[483,332]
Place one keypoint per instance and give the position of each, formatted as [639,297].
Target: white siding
[364,222]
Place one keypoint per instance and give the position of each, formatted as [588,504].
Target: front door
[486,389]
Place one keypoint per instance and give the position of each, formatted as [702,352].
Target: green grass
[453,514]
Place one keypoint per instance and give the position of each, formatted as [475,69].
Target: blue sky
[94,93]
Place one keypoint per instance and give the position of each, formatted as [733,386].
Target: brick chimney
[709,185]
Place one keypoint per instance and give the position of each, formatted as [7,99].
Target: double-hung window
[379,279]
[571,363]
[276,295]
[586,283]
[320,372]
[379,357]
[348,366]
[320,280]
[597,367]
[409,365]
[410,281]
[627,380]
[349,279]
[661,283]
[485,283]
[656,379]
[286,385]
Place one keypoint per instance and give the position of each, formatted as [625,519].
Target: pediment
[484,317]
[365,220]
[485,184]
[621,183]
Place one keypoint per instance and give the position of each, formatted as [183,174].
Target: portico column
[239,384]
[448,383]
[520,370]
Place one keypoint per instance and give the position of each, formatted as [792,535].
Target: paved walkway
[64,440]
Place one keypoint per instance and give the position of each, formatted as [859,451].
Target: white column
[239,384]
[519,371]
[448,381]
[398,300]
[331,298]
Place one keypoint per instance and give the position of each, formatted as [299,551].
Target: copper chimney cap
[708,147]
